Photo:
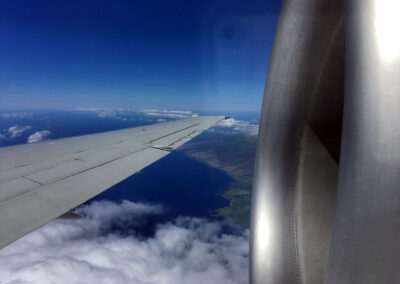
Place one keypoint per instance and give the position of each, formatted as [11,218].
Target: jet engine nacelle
[326,196]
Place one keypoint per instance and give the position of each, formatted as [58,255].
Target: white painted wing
[41,181]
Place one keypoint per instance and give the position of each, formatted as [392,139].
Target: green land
[234,154]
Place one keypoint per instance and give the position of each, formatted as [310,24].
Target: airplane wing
[40,182]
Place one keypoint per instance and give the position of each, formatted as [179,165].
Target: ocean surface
[182,185]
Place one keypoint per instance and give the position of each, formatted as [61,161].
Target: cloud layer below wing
[91,250]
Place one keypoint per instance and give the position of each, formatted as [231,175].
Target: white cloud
[167,115]
[38,136]
[91,250]
[14,114]
[120,113]
[239,126]
[106,113]
[94,109]
[101,112]
[177,111]
[172,114]
[124,114]
[16,131]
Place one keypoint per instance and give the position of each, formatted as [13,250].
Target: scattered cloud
[94,109]
[16,131]
[101,112]
[239,126]
[14,114]
[174,114]
[106,113]
[153,115]
[115,113]
[187,112]
[38,136]
[187,250]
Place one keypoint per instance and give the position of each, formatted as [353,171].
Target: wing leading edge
[41,181]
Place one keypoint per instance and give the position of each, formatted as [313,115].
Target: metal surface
[304,78]
[315,201]
[366,235]
[41,181]
[309,224]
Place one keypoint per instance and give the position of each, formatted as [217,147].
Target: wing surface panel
[37,185]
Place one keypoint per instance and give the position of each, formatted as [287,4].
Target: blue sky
[199,55]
